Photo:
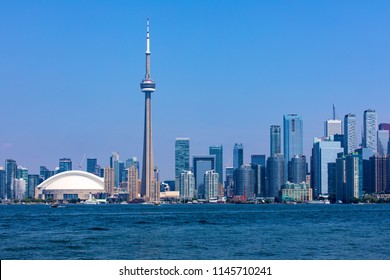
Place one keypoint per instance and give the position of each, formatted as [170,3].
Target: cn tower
[149,188]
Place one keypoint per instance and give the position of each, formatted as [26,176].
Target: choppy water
[195,232]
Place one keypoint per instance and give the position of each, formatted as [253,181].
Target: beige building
[109,180]
[68,185]
[297,192]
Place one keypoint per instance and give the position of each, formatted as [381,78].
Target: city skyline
[65,84]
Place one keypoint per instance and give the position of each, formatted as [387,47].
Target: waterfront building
[22,173]
[65,165]
[349,177]
[182,156]
[275,140]
[297,169]
[229,182]
[2,183]
[383,142]
[349,133]
[275,175]
[292,192]
[238,155]
[20,189]
[259,179]
[324,152]
[200,165]
[132,182]
[10,176]
[217,151]
[33,182]
[369,129]
[187,185]
[149,187]
[69,185]
[211,184]
[293,138]
[244,181]
[109,180]
[380,174]
[354,177]
[366,153]
[341,178]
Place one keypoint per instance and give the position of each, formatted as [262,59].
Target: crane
[81,162]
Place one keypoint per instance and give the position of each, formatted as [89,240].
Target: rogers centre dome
[70,185]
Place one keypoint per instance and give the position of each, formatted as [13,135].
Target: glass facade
[201,164]
[324,152]
[349,133]
[238,155]
[293,138]
[10,169]
[182,156]
[275,140]
[65,165]
[244,181]
[211,183]
[369,129]
[383,142]
[275,175]
[187,185]
[217,151]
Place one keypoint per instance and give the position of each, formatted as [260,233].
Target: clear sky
[225,71]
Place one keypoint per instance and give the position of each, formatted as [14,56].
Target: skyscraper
[324,152]
[369,129]
[229,183]
[275,171]
[380,173]
[33,182]
[244,181]
[109,175]
[187,185]
[275,140]
[65,165]
[383,142]
[297,169]
[258,159]
[91,165]
[354,177]
[182,156]
[201,164]
[2,183]
[10,176]
[333,126]
[114,163]
[211,183]
[293,138]
[238,155]
[217,151]
[148,182]
[349,133]
[132,182]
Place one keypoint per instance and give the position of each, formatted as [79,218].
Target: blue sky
[225,71]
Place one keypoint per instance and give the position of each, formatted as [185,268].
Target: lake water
[191,232]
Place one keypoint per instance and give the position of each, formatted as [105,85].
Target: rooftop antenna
[334,112]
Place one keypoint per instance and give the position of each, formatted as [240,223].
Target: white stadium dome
[70,185]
